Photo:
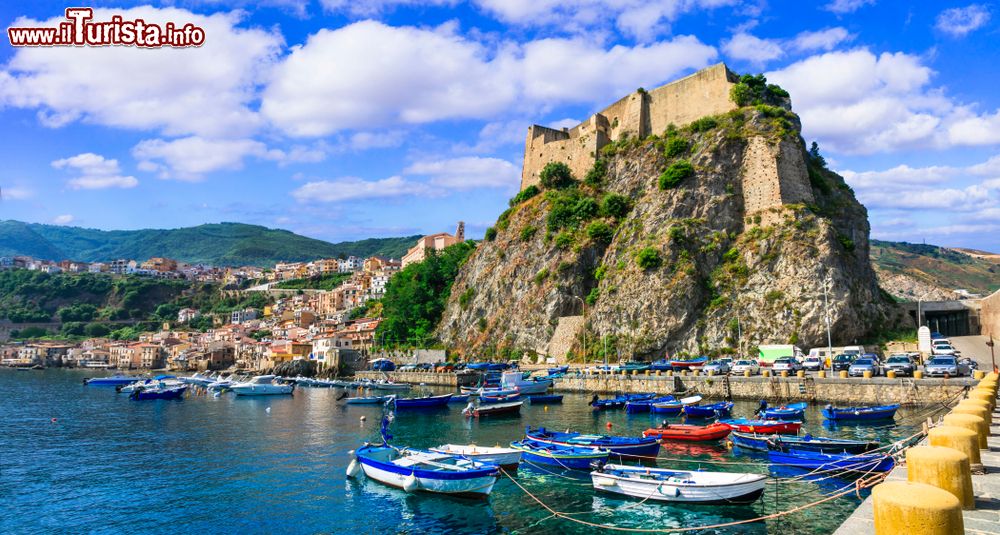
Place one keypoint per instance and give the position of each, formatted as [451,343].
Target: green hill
[219,244]
[937,266]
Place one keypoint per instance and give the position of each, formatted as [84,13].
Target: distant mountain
[909,270]
[219,244]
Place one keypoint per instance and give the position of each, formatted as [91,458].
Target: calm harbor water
[77,459]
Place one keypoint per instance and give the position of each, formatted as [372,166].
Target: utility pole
[993,357]
[826,314]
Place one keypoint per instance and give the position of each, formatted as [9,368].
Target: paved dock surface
[984,519]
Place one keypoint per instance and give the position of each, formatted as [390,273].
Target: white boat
[198,379]
[261,385]
[386,385]
[678,485]
[428,471]
[496,455]
[516,380]
[157,383]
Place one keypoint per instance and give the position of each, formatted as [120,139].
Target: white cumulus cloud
[191,157]
[468,173]
[842,7]
[961,21]
[354,188]
[63,219]
[94,172]
[744,46]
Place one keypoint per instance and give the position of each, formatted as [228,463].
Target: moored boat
[679,486]
[689,433]
[678,364]
[569,457]
[882,412]
[620,446]
[505,457]
[828,461]
[558,370]
[525,386]
[643,405]
[506,398]
[494,409]
[114,380]
[261,385]
[545,400]
[143,394]
[674,406]
[714,410]
[459,398]
[428,471]
[619,401]
[366,400]
[765,442]
[744,425]
[792,411]
[428,402]
[661,365]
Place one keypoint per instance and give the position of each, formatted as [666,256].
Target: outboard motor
[761,407]
[593,400]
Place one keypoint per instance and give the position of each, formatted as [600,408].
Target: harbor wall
[427,378]
[989,315]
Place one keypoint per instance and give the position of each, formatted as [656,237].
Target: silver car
[862,365]
[719,367]
[946,365]
[901,364]
[742,366]
[787,364]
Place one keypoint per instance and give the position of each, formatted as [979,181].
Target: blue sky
[345,120]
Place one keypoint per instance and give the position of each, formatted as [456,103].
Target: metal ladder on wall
[807,388]
[725,384]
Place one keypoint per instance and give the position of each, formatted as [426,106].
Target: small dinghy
[113,380]
[429,402]
[831,461]
[569,457]
[505,457]
[428,471]
[545,400]
[744,425]
[679,486]
[883,412]
[689,433]
[792,411]
[459,398]
[143,394]
[631,447]
[714,410]
[643,405]
[617,402]
[676,364]
[493,409]
[505,398]
[674,407]
[366,400]
[759,442]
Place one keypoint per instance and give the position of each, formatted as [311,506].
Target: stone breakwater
[876,390]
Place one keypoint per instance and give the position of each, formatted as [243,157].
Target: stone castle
[773,173]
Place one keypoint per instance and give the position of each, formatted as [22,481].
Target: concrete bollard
[711,373]
[670,373]
[696,373]
[917,374]
[647,373]
[891,374]
[978,374]
[684,373]
[985,396]
[843,374]
[958,438]
[968,418]
[944,468]
[784,373]
[975,403]
[822,374]
[800,373]
[746,373]
[915,509]
[766,373]
[657,373]
[635,372]
[866,374]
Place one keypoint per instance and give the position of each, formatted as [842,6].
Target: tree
[615,205]
[556,175]
[815,157]
[648,258]
[675,174]
[600,232]
[96,330]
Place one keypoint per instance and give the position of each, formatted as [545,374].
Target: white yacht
[261,385]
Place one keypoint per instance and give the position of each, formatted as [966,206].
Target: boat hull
[433,402]
[575,462]
[765,427]
[456,485]
[689,433]
[861,414]
[683,488]
[499,409]
[261,390]
[812,460]
[505,457]
[717,410]
[644,447]
[762,442]
[545,400]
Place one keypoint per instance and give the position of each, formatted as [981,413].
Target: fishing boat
[261,385]
[114,380]
[689,433]
[677,364]
[633,366]
[643,405]
[831,461]
[523,385]
[792,411]
[366,400]
[623,446]
[479,390]
[558,370]
[494,409]
[713,410]
[385,385]
[661,365]
[744,425]
[428,402]
[618,402]
[882,412]
[569,457]
[506,398]
[674,406]
[459,398]
[428,471]
[679,486]
[143,394]
[545,400]
[761,442]
[505,457]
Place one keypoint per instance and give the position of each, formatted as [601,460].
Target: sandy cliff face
[743,247]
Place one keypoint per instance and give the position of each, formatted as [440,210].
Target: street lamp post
[920,299]
[993,357]
[826,315]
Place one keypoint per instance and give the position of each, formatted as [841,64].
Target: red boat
[689,433]
[766,427]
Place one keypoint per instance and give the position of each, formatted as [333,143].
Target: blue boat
[714,410]
[114,380]
[832,461]
[429,402]
[143,394]
[569,457]
[882,412]
[545,400]
[485,399]
[662,365]
[759,442]
[383,365]
[632,447]
[643,405]
[459,398]
[617,402]
[673,407]
[792,411]
[558,370]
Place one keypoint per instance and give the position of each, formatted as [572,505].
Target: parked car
[973,365]
[444,367]
[946,365]
[787,364]
[843,361]
[812,363]
[408,367]
[901,364]
[943,349]
[719,367]
[862,365]
[743,366]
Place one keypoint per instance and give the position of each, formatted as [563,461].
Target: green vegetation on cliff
[321,282]
[416,296]
[220,244]
[938,266]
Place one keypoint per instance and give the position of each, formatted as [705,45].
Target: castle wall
[575,148]
[773,176]
[705,92]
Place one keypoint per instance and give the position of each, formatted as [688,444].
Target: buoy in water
[411,484]
[54,420]
[353,468]
[268,410]
[608,425]
[546,408]
[364,418]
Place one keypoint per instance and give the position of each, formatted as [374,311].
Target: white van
[821,354]
[854,350]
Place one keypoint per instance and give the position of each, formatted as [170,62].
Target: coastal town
[327,327]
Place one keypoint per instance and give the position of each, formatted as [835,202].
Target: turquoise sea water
[77,459]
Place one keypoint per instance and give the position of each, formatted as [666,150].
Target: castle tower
[460,232]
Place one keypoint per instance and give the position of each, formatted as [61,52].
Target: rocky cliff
[717,235]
